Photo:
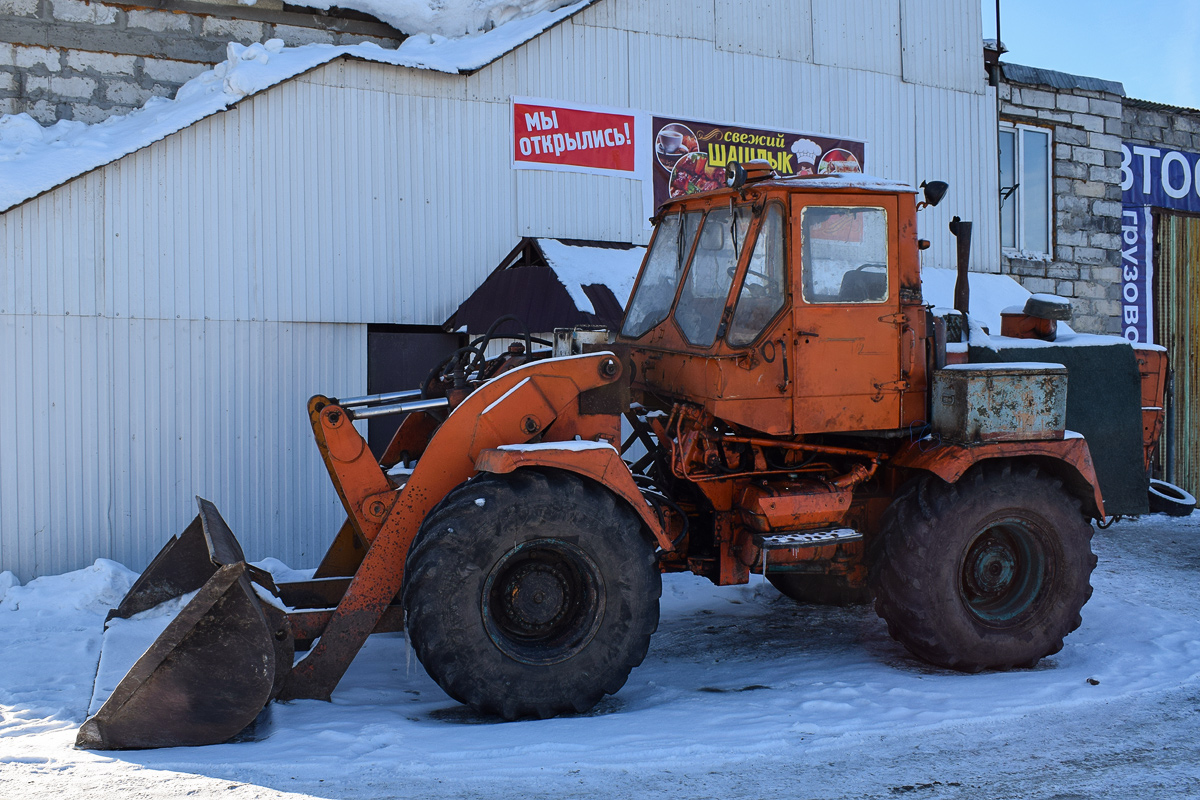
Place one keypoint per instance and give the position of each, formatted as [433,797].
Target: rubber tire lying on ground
[1167,498]
[988,573]
[823,590]
[531,594]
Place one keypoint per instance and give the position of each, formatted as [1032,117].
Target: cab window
[844,254]
[706,287]
[764,287]
[655,292]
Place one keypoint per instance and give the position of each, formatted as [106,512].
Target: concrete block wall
[87,61]
[1085,264]
[1161,126]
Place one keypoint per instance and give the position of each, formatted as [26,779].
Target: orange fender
[598,461]
[949,461]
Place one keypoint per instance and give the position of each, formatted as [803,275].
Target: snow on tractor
[795,411]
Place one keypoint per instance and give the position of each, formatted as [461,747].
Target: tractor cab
[787,306]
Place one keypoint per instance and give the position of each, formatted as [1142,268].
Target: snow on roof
[990,294]
[848,180]
[443,17]
[34,159]
[577,266]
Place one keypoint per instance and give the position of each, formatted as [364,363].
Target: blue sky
[1151,46]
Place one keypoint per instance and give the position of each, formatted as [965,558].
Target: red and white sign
[573,138]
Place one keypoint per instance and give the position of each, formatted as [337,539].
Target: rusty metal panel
[1000,402]
[1177,327]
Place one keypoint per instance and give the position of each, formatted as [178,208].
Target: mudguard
[1068,458]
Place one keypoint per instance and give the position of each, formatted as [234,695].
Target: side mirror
[934,192]
[735,175]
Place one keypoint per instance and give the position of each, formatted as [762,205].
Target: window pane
[706,287]
[844,255]
[1035,191]
[654,294]
[764,287]
[1008,177]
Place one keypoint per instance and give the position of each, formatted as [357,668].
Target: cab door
[846,309]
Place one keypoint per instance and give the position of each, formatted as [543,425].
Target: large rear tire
[988,573]
[531,594]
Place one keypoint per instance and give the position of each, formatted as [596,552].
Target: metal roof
[1059,80]
[1150,105]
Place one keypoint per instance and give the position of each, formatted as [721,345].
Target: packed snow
[743,694]
[35,159]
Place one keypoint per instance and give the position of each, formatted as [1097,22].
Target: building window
[1025,206]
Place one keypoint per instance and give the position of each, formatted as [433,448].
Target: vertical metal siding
[942,43]
[772,28]
[956,142]
[115,425]
[858,34]
[686,19]
[1177,302]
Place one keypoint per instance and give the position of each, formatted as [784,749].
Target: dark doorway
[399,357]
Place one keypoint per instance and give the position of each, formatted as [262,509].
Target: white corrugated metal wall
[163,319]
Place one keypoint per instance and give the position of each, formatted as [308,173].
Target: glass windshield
[655,292]
[706,288]
[765,285]
[844,255]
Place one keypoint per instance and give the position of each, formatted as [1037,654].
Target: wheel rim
[543,601]
[1003,574]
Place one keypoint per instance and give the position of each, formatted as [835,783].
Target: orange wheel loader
[792,413]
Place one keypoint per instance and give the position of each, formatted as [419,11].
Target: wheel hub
[536,596]
[543,601]
[993,568]
[1003,573]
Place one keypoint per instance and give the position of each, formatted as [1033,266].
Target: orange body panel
[1152,366]
[791,505]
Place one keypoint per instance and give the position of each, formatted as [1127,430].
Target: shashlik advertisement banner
[690,155]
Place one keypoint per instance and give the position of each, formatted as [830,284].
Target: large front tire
[531,594]
[988,573]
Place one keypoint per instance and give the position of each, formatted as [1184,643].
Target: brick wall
[69,59]
[1086,125]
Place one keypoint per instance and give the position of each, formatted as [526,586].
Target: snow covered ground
[743,694]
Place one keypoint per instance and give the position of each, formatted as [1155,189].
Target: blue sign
[1137,310]
[1159,177]
[1151,177]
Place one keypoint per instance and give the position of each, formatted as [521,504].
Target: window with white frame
[1025,182]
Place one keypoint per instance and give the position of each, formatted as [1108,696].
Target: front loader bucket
[217,664]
